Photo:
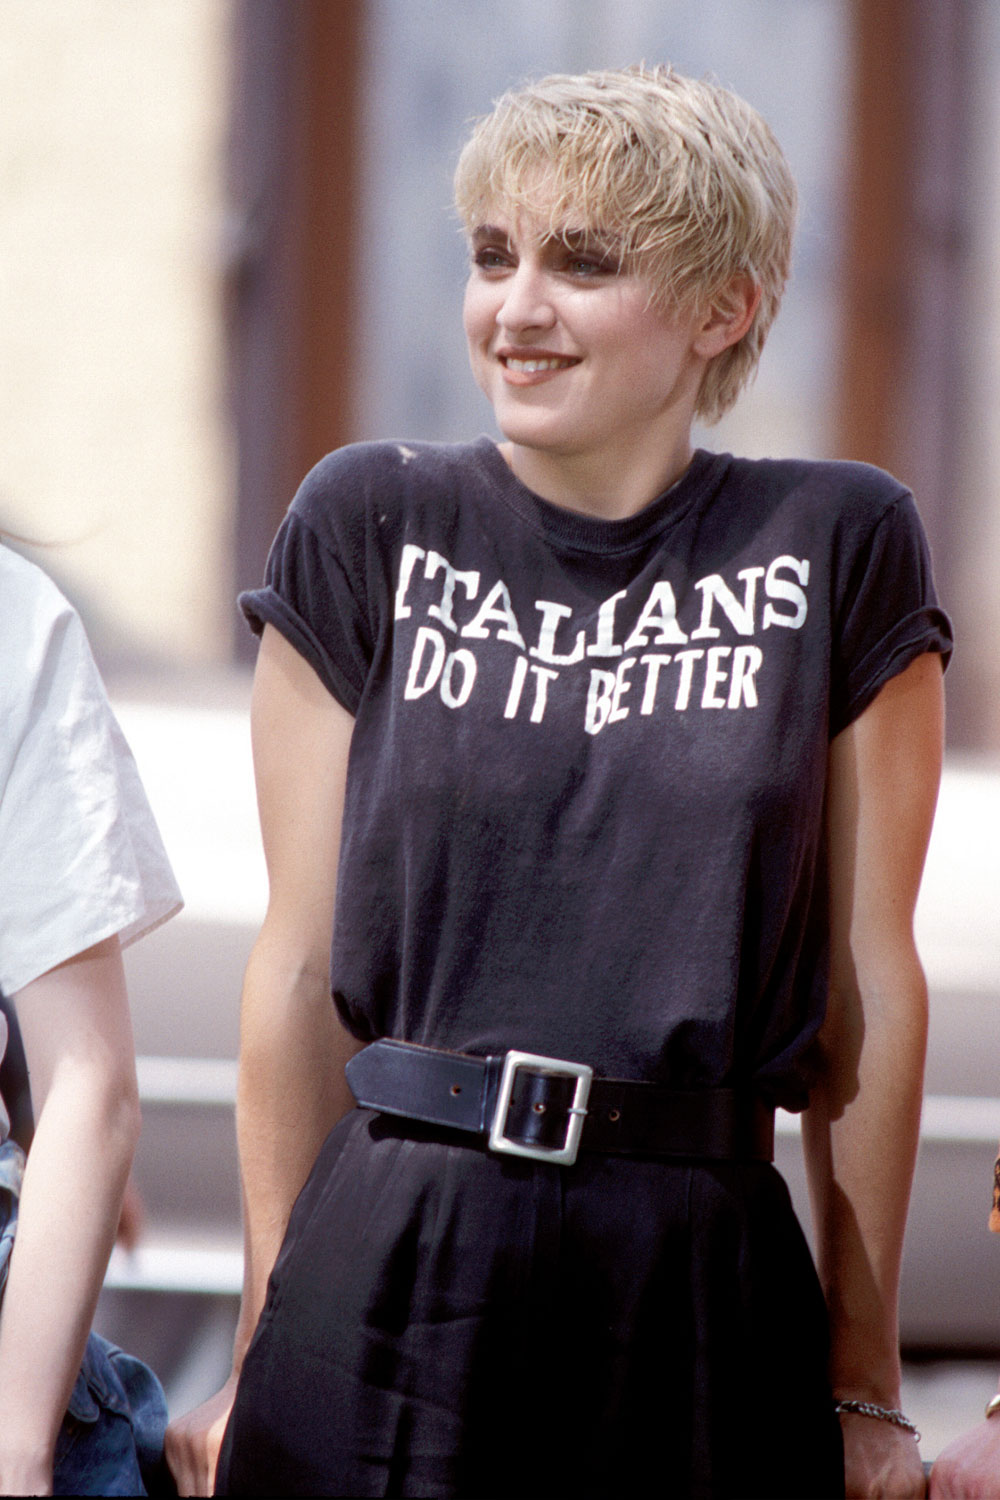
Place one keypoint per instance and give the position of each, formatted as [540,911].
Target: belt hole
[614,1115]
[539,1108]
[456,1088]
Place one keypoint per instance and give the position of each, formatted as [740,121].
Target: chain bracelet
[880,1413]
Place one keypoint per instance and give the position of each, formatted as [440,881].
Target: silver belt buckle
[564,1155]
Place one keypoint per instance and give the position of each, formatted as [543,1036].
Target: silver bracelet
[880,1413]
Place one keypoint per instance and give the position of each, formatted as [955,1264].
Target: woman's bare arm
[862,1126]
[292,1045]
[78,1042]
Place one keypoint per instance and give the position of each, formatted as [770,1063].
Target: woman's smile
[524,367]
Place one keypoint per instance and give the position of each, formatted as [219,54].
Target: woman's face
[568,347]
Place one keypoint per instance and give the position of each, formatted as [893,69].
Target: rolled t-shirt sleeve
[316,590]
[889,613]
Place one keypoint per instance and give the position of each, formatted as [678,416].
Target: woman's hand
[969,1468]
[193,1442]
[881,1462]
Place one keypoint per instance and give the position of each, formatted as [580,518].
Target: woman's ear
[729,316]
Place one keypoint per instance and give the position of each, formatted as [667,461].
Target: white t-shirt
[81,858]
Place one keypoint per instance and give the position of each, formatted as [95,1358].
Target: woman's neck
[611,489]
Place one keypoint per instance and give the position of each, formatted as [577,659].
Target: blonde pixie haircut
[684,175]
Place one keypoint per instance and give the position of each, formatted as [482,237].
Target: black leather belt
[548,1109]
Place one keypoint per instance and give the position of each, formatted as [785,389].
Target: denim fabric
[11,1175]
[111,1440]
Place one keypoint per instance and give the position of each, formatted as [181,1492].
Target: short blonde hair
[686,176]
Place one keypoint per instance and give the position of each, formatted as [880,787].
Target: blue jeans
[111,1439]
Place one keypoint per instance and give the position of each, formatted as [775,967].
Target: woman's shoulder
[381,459]
[352,482]
[830,486]
[830,511]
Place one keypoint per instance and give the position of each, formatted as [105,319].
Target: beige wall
[111,211]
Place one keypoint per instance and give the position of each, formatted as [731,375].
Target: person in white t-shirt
[82,873]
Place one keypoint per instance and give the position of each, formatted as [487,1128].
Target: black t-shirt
[584,812]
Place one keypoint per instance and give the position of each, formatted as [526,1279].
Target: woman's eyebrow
[576,239]
[485,234]
[592,240]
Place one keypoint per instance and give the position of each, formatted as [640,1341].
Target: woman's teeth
[534,366]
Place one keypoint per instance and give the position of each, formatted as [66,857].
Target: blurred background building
[227,247]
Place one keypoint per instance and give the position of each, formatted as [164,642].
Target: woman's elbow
[125,1113]
[129,1122]
[117,1115]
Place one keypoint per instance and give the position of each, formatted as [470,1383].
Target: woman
[83,873]
[622,756]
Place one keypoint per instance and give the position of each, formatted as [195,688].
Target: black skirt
[446,1322]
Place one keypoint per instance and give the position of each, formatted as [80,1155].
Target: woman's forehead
[542,190]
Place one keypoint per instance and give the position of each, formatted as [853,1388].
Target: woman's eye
[592,265]
[489,259]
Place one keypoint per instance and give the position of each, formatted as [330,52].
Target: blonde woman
[609,765]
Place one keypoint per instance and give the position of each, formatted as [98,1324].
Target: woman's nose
[527,301]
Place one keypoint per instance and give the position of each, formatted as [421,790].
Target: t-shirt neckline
[570,528]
